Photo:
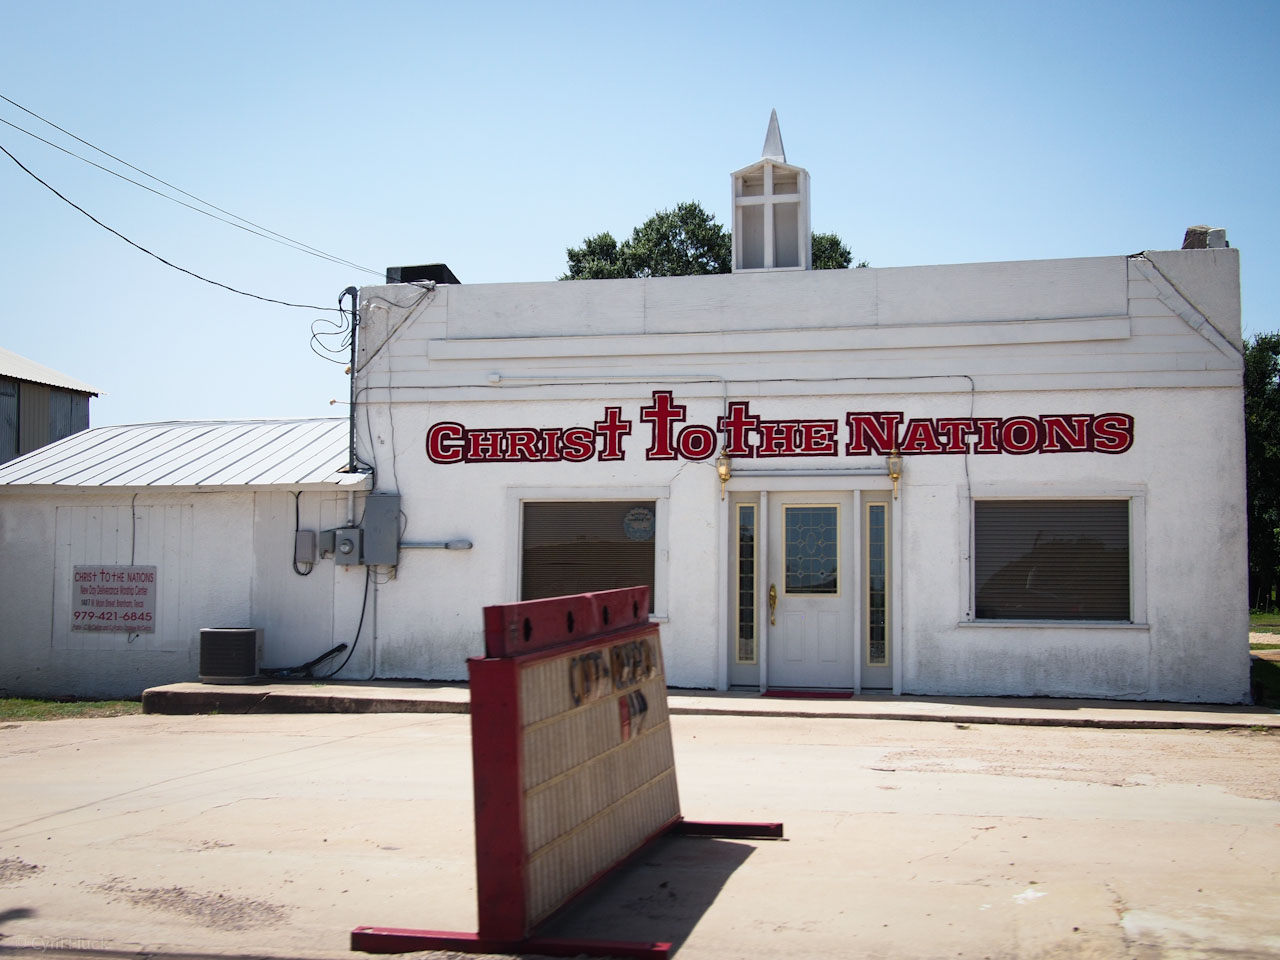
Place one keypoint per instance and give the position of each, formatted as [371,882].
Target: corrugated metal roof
[194,453]
[20,368]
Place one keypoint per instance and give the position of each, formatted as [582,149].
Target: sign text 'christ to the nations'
[742,434]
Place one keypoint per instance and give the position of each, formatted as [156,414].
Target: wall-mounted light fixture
[894,463]
[722,469]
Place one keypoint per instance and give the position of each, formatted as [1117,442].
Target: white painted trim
[896,602]
[1172,298]
[661,554]
[762,598]
[881,336]
[769,250]
[859,578]
[1056,490]
[1063,624]
[727,527]
[816,482]
[781,164]
[1138,612]
[1136,495]
[796,380]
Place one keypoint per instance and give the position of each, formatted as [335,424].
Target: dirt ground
[1112,758]
[274,836]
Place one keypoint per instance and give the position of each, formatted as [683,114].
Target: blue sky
[491,136]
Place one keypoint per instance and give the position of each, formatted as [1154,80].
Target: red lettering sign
[744,435]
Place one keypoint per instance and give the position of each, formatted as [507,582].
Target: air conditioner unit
[230,654]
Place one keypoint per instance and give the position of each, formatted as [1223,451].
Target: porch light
[722,468]
[894,463]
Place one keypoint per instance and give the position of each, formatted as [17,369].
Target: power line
[295,244]
[165,196]
[138,246]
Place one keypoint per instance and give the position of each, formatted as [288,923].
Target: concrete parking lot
[274,835]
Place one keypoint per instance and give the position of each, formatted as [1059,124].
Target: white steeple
[771,210]
[773,149]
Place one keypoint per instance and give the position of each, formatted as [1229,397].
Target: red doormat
[809,694]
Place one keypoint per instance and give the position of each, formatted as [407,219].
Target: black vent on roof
[438,272]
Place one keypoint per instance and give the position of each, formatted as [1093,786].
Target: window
[877,598]
[745,651]
[1051,559]
[586,545]
[812,534]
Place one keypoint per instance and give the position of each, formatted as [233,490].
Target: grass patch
[15,708]
[1260,622]
[1265,680]
[1264,646]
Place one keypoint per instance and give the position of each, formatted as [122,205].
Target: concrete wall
[223,558]
[1100,335]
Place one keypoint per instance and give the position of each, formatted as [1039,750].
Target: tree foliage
[686,241]
[830,253]
[599,258]
[682,242]
[1262,464]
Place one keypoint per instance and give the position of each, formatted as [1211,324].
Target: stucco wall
[1187,544]
[1187,556]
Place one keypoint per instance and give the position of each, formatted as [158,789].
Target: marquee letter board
[573,769]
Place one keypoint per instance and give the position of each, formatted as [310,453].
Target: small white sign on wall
[112,597]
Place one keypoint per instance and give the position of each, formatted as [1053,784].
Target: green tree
[1262,464]
[830,253]
[599,258]
[686,241]
[682,242]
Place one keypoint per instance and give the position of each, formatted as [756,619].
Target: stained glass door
[810,573]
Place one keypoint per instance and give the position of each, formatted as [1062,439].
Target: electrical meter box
[381,526]
[346,546]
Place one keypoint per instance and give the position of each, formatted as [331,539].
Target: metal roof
[20,368]
[194,453]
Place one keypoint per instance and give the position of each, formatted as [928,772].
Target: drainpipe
[354,294]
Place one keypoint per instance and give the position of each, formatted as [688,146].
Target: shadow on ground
[660,897]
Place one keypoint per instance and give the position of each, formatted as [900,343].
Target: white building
[1015,478]
[196,519]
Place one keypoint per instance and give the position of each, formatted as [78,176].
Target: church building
[1019,478]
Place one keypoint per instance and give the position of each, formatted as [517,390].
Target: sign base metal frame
[404,940]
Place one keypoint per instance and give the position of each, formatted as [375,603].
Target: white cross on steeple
[771,210]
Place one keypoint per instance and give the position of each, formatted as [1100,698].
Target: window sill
[1059,624]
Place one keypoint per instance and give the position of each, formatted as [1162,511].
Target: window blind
[1051,559]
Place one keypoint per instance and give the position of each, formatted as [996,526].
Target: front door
[812,591]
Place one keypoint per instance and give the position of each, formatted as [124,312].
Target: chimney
[433,272]
[1203,237]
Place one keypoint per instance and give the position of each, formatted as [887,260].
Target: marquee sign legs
[400,940]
